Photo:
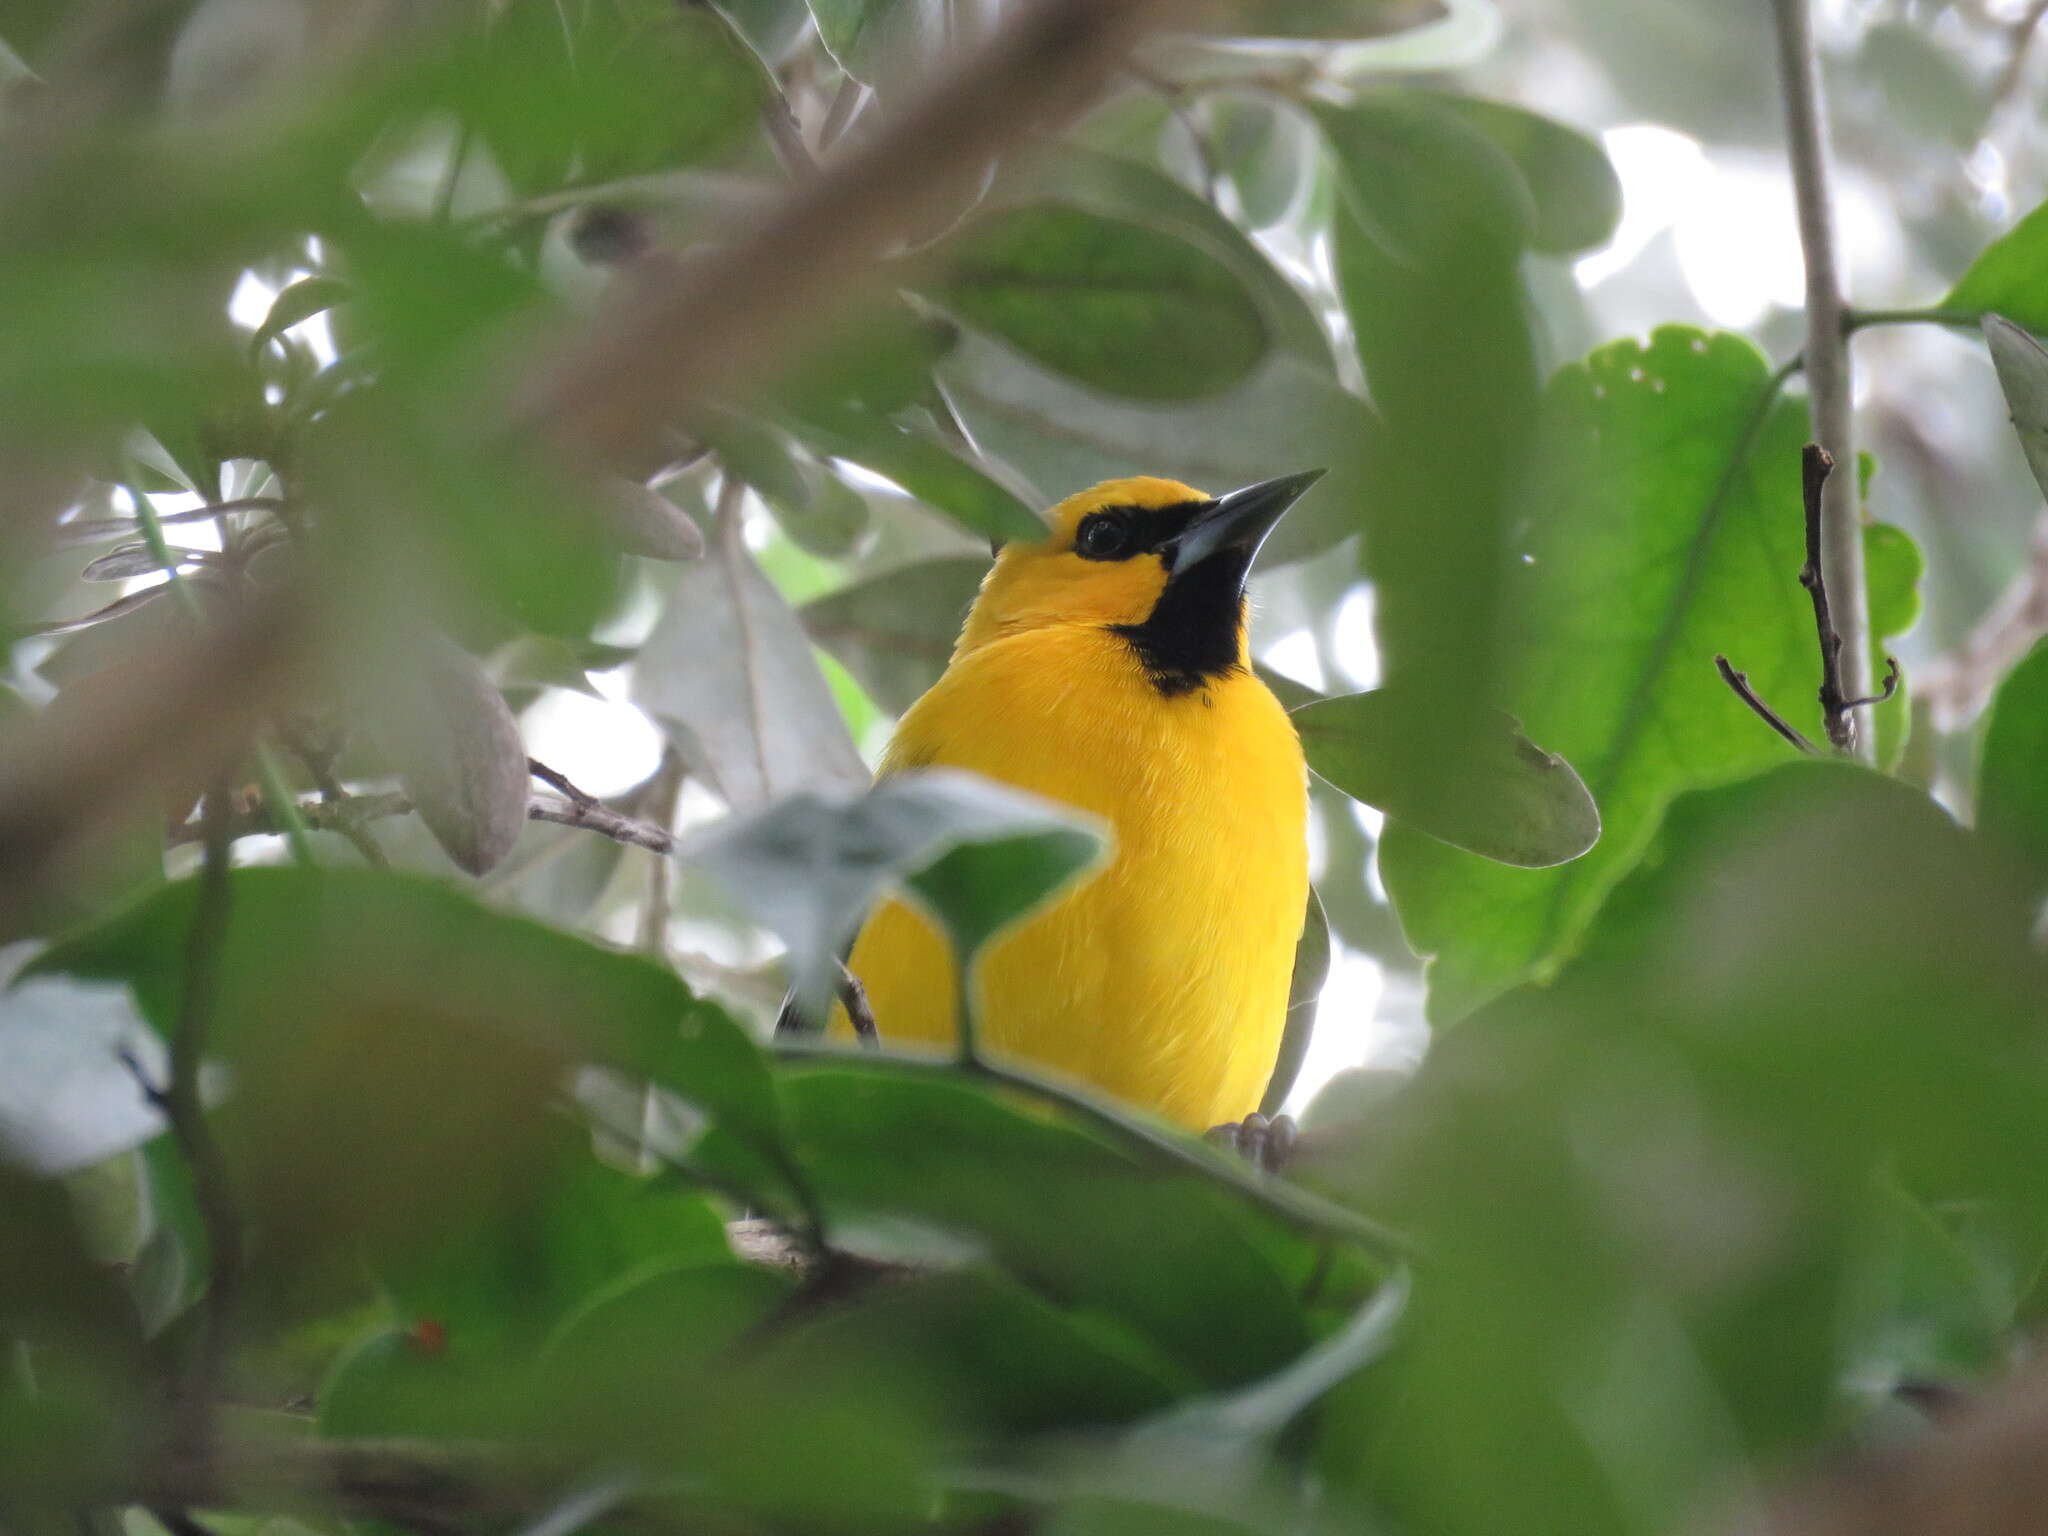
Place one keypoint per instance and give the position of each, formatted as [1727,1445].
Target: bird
[1107,667]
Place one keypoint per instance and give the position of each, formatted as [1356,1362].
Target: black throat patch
[1192,635]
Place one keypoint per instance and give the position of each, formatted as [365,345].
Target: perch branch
[555,779]
[355,810]
[1739,683]
[853,997]
[1840,550]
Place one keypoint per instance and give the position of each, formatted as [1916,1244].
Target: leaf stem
[1854,320]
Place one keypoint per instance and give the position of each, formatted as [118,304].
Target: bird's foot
[1266,1144]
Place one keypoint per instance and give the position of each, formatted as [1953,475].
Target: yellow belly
[1163,979]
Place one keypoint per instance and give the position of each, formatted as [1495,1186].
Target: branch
[1816,468]
[1962,682]
[212,1189]
[1840,535]
[1739,682]
[356,810]
[683,332]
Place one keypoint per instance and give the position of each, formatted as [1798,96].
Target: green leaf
[895,631]
[730,678]
[2007,276]
[1666,529]
[2012,773]
[1511,801]
[926,470]
[1573,189]
[429,1034]
[1119,306]
[809,868]
[1928,90]
[2022,366]
[308,297]
[1422,176]
[1078,1219]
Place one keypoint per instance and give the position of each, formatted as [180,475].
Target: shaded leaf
[446,726]
[1117,305]
[2012,773]
[1510,801]
[810,867]
[642,521]
[1574,191]
[895,631]
[729,677]
[2022,366]
[928,471]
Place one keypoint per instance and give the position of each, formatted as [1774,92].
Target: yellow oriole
[1107,667]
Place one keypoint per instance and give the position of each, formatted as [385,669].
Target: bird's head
[1154,561]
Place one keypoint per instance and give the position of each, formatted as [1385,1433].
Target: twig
[1886,693]
[213,1191]
[1836,705]
[556,779]
[1739,682]
[326,816]
[1837,559]
[605,821]
[853,997]
[319,764]
[1289,1202]
[1854,320]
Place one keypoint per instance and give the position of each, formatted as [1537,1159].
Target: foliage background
[365,319]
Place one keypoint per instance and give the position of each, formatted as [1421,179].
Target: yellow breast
[1163,979]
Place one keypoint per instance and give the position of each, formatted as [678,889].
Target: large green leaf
[2012,774]
[1665,1160]
[2009,276]
[895,632]
[1513,802]
[1572,187]
[1667,528]
[1120,306]
[932,473]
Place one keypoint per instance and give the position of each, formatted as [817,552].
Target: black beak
[1240,520]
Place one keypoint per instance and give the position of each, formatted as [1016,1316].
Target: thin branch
[1739,682]
[1292,1204]
[853,997]
[1854,320]
[1817,466]
[1886,693]
[326,816]
[319,763]
[1840,550]
[555,779]
[212,1189]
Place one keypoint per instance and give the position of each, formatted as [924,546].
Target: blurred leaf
[929,472]
[429,1033]
[308,297]
[1660,1162]
[817,509]
[896,39]
[2022,367]
[1304,992]
[67,1099]
[1336,20]
[1516,803]
[1573,189]
[1929,91]
[729,677]
[810,867]
[121,564]
[642,521]
[1426,172]
[895,631]
[1893,567]
[445,725]
[2007,277]
[1117,305]
[2012,773]
[1268,150]
[1665,528]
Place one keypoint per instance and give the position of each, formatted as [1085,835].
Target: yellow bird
[1107,667]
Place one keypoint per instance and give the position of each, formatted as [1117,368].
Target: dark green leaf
[894,632]
[1509,801]
[926,470]
[2012,774]
[1119,306]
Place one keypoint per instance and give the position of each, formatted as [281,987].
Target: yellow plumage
[1163,978]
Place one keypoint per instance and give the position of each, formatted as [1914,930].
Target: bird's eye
[1102,536]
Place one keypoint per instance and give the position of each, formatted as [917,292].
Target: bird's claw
[1267,1144]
